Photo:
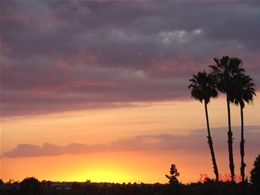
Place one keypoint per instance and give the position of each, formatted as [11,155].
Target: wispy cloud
[194,142]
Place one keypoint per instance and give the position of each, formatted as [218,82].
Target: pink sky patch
[72,85]
[61,64]
[180,64]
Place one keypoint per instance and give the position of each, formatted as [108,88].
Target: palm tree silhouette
[225,70]
[244,92]
[203,87]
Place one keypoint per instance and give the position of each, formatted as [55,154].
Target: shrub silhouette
[255,175]
[173,175]
[30,186]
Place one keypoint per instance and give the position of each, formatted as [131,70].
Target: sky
[97,90]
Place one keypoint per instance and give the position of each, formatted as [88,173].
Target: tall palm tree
[203,87]
[244,92]
[225,70]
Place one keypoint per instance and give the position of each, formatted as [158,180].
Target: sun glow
[109,175]
[106,126]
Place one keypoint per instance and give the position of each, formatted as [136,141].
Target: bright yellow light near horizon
[108,167]
[100,168]
[99,174]
[109,175]
[122,167]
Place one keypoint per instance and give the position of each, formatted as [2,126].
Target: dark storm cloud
[194,142]
[99,54]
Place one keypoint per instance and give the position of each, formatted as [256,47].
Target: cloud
[110,52]
[194,142]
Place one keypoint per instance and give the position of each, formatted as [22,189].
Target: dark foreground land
[87,188]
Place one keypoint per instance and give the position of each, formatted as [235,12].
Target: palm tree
[203,87]
[225,70]
[244,92]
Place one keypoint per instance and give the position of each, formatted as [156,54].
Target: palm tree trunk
[230,143]
[242,150]
[242,146]
[210,142]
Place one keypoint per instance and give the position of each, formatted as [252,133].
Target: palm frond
[244,90]
[203,86]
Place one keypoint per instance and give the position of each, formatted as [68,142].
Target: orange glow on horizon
[121,167]
[106,126]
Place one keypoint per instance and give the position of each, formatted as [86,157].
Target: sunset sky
[97,90]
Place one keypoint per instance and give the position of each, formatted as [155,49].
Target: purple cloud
[196,141]
[99,54]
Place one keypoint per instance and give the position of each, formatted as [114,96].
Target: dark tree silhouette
[76,186]
[173,175]
[30,186]
[255,175]
[1,182]
[244,92]
[203,87]
[225,70]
